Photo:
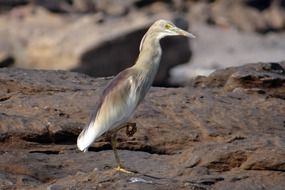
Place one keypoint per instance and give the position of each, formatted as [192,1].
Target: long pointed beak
[184,33]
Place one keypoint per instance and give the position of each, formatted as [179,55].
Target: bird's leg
[120,166]
[131,129]
[114,144]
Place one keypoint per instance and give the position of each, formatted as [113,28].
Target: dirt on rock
[225,131]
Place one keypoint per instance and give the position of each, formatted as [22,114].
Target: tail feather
[86,137]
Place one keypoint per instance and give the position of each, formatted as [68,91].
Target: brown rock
[246,15]
[262,78]
[6,60]
[214,134]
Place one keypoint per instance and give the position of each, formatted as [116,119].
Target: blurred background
[101,37]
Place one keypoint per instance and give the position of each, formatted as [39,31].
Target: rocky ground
[225,131]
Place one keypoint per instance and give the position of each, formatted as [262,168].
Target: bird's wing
[116,104]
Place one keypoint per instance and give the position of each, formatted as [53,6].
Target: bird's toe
[123,170]
[131,129]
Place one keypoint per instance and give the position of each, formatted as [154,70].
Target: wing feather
[119,102]
[114,107]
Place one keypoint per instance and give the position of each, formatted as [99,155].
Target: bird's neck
[147,64]
[150,54]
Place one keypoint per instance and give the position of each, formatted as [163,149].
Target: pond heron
[125,92]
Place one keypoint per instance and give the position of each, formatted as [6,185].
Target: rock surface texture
[225,131]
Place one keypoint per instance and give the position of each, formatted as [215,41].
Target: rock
[250,19]
[245,15]
[27,180]
[261,78]
[216,133]
[114,8]
[6,181]
[6,60]
[8,4]
[61,6]
[54,187]
[270,162]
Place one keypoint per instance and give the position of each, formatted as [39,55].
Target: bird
[126,91]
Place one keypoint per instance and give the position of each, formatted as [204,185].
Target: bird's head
[164,28]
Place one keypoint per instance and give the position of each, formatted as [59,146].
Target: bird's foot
[121,169]
[131,129]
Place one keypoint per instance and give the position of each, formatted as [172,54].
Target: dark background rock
[216,133]
[247,15]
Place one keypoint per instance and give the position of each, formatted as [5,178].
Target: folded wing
[116,104]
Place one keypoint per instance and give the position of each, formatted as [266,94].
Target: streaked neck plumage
[150,54]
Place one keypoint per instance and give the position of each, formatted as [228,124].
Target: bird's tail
[86,137]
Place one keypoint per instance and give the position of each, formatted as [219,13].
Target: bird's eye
[167,26]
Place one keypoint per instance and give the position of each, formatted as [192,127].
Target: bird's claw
[131,129]
[121,169]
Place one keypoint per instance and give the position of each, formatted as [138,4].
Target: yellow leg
[130,131]
[120,166]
